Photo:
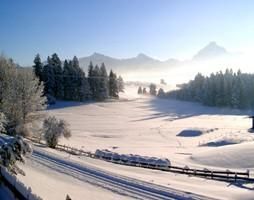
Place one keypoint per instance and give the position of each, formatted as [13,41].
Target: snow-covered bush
[133,159]
[53,129]
[13,149]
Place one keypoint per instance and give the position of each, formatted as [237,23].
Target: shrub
[53,129]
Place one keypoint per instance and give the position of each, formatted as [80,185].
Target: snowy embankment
[238,156]
[179,131]
[123,185]
[58,181]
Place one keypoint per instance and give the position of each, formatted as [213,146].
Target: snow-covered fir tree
[140,91]
[58,73]
[120,84]
[152,89]
[38,67]
[113,85]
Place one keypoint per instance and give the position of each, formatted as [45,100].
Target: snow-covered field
[186,133]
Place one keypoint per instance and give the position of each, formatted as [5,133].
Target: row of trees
[228,89]
[152,90]
[68,81]
[21,97]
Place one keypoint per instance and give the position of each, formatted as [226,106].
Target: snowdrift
[132,159]
[230,156]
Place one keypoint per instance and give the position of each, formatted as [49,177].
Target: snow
[239,156]
[147,126]
[57,185]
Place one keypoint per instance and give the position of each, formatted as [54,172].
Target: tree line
[228,89]
[67,80]
[152,90]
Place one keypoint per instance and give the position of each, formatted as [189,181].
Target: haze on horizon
[161,29]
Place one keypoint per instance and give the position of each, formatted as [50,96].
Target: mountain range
[143,62]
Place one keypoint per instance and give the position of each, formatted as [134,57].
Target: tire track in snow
[121,185]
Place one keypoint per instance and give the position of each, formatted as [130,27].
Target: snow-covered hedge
[132,159]
[20,187]
[13,149]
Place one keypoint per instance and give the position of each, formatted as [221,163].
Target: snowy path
[122,185]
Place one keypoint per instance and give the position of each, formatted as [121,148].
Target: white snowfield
[182,132]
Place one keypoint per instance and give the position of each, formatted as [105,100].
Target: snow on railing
[162,164]
[18,187]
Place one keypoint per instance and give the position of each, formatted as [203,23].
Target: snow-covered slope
[154,127]
[236,156]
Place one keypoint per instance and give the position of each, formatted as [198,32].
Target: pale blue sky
[122,28]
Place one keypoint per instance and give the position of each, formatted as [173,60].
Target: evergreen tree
[91,79]
[144,91]
[38,67]
[120,84]
[161,93]
[140,91]
[78,76]
[96,83]
[103,83]
[58,72]
[67,81]
[49,79]
[85,92]
[113,88]
[153,89]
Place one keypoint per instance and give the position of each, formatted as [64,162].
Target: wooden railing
[224,175]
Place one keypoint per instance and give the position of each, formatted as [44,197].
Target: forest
[228,89]
[67,80]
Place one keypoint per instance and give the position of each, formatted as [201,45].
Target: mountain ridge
[144,62]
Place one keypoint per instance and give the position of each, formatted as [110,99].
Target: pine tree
[120,84]
[58,72]
[103,83]
[96,82]
[152,89]
[91,79]
[140,91]
[161,93]
[38,67]
[67,81]
[85,92]
[144,91]
[81,83]
[113,89]
[49,81]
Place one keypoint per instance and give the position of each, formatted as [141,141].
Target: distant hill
[211,51]
[142,62]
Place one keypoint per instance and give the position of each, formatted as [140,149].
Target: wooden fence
[225,175]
